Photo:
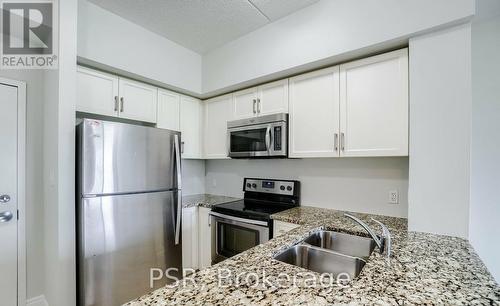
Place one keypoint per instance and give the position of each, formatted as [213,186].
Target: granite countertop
[205,200]
[424,269]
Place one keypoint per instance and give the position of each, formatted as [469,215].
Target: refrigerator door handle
[179,187]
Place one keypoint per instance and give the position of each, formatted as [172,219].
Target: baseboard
[37,301]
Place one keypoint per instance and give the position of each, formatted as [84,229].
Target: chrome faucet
[384,242]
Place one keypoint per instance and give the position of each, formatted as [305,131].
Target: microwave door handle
[268,138]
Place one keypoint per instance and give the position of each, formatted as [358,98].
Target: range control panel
[270,186]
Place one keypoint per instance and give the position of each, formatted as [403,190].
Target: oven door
[261,140]
[232,235]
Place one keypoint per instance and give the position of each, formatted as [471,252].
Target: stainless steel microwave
[259,137]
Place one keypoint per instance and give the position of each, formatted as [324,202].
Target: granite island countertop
[205,200]
[424,269]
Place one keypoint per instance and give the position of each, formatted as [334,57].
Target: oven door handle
[242,220]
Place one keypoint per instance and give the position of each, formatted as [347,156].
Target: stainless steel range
[240,225]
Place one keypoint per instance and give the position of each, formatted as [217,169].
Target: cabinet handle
[182,147]
[342,141]
[336,141]
[254,102]
[121,104]
[116,104]
[258,105]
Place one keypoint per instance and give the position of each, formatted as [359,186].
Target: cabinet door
[137,101]
[205,238]
[218,111]
[190,238]
[97,92]
[191,118]
[273,98]
[168,114]
[374,105]
[314,114]
[245,103]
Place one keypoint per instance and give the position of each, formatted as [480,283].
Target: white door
[168,114]
[218,111]
[374,105]
[137,101]
[8,194]
[245,103]
[273,98]
[190,238]
[97,92]
[314,114]
[205,237]
[191,118]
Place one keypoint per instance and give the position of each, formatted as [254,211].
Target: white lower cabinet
[280,227]
[205,237]
[190,239]
[191,117]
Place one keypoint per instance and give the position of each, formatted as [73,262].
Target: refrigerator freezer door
[121,238]
[119,158]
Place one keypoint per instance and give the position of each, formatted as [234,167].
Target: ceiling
[202,25]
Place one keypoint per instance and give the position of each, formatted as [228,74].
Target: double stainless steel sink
[330,252]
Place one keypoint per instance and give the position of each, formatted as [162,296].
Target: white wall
[352,184]
[440,119]
[324,33]
[485,145]
[34,173]
[105,38]
[193,176]
[59,165]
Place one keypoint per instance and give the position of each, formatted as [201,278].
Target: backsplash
[354,184]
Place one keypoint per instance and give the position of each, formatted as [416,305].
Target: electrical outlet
[393,197]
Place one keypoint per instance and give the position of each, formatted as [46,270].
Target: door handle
[254,102]
[5,216]
[4,198]
[179,187]
[121,104]
[116,104]
[268,138]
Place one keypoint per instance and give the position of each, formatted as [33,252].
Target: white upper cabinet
[105,94]
[168,114]
[314,114]
[245,103]
[273,98]
[270,98]
[97,92]
[374,105]
[218,111]
[137,100]
[191,123]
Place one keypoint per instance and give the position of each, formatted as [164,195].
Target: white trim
[37,301]
[21,187]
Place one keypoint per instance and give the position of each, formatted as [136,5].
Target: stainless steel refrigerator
[128,210]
